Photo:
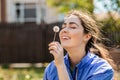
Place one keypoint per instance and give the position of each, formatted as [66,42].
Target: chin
[65,46]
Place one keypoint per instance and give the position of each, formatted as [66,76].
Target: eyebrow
[71,23]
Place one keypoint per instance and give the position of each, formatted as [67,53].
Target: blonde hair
[94,44]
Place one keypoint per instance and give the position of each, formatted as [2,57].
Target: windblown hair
[94,44]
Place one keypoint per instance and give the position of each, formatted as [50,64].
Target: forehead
[73,19]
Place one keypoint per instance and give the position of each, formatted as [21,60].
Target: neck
[76,55]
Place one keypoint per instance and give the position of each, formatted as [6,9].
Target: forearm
[57,51]
[62,72]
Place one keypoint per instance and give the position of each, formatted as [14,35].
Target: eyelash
[69,27]
[73,27]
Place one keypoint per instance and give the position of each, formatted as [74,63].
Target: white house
[27,11]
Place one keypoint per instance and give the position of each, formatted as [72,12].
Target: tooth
[65,37]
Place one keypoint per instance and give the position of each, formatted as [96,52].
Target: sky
[99,5]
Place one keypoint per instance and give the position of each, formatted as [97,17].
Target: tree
[65,5]
[110,5]
[112,24]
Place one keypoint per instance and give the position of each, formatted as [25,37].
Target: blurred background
[26,30]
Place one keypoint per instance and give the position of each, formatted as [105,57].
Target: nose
[65,30]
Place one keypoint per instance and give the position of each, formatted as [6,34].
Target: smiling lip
[65,37]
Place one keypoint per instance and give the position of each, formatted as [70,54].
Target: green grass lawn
[21,73]
[24,73]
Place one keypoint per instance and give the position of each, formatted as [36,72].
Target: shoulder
[98,62]
[95,61]
[100,67]
[51,67]
[50,72]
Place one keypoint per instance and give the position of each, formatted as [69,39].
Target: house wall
[10,8]
[51,14]
[3,10]
[0,10]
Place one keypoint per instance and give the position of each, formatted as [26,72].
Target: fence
[114,38]
[26,43]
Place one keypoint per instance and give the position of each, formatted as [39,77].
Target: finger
[53,43]
[59,45]
[60,48]
[54,53]
[55,48]
[52,47]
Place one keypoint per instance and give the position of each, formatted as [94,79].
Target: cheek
[77,36]
[59,34]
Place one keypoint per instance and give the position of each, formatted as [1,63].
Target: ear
[87,37]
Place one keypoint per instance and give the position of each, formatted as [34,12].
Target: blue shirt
[91,67]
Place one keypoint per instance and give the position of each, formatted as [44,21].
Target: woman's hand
[57,51]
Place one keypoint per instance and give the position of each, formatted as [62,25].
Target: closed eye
[73,27]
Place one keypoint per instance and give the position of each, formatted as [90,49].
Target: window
[18,12]
[27,12]
[30,12]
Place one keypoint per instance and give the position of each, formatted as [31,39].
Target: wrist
[59,64]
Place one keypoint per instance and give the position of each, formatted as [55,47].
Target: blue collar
[83,62]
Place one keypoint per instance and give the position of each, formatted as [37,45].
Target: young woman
[86,58]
